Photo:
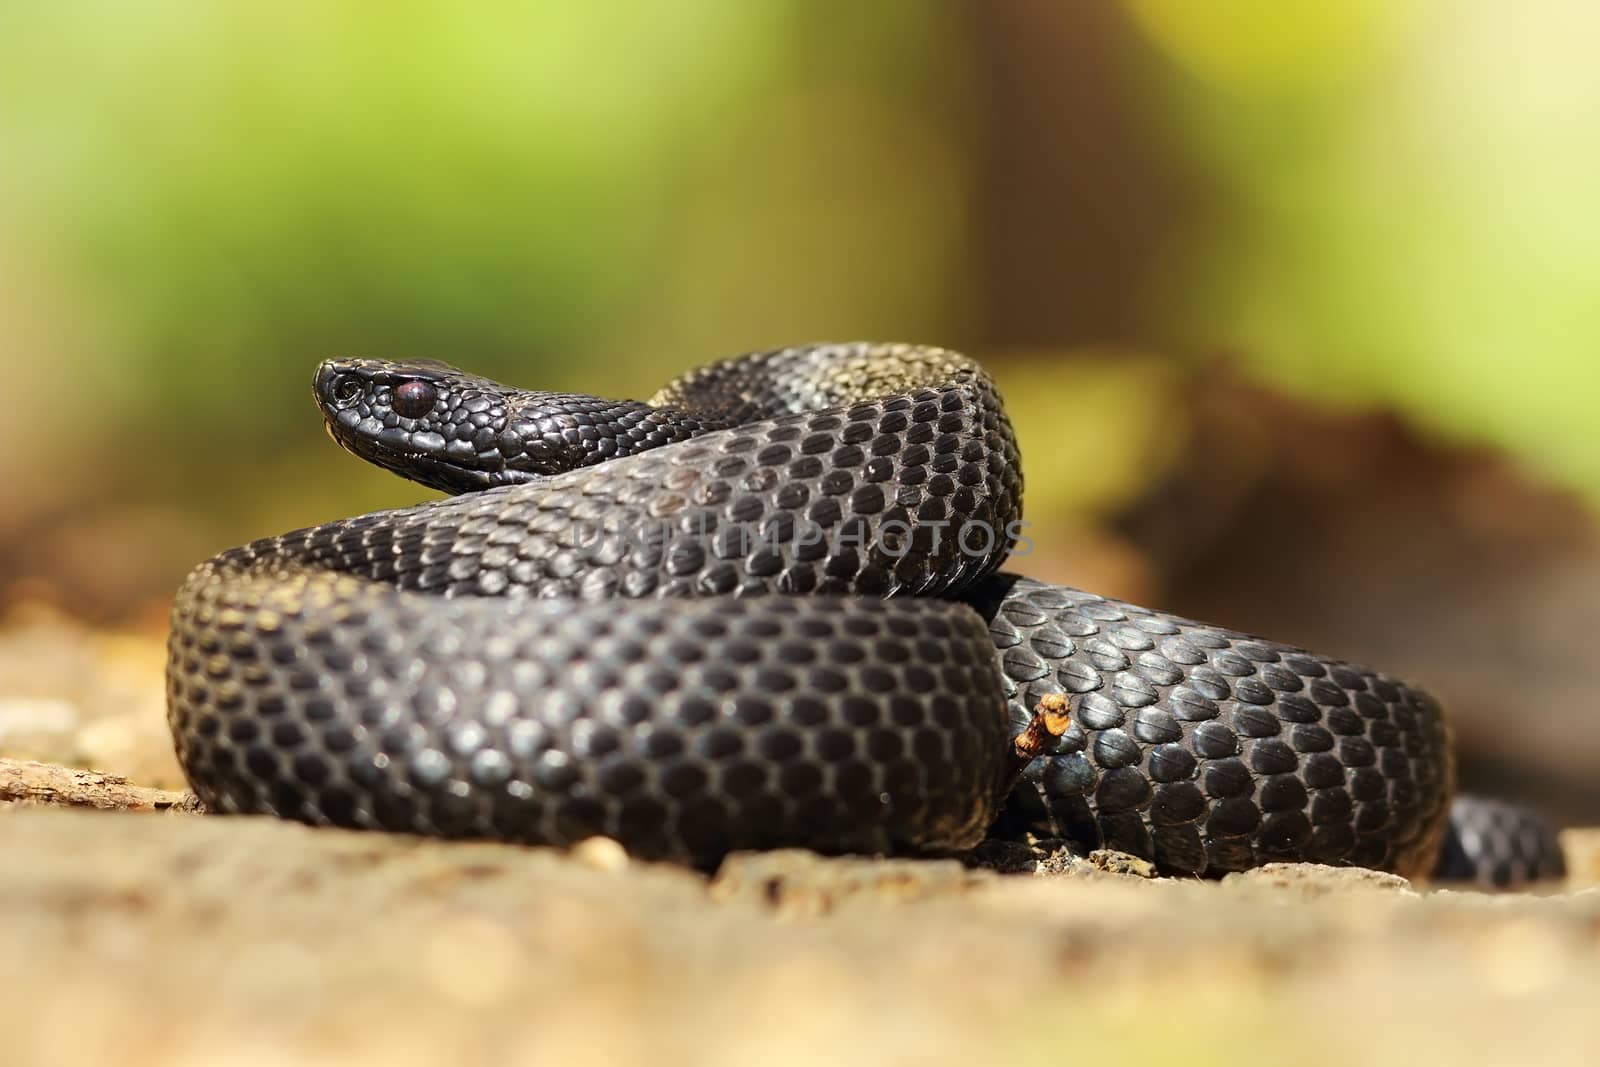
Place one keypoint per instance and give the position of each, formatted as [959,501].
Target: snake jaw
[427,468]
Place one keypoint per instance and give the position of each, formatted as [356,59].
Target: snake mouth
[421,466]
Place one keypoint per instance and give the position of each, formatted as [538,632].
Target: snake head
[459,432]
[427,421]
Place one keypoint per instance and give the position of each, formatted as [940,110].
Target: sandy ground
[170,938]
[181,939]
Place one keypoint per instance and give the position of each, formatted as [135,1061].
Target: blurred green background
[1295,308]
[1374,204]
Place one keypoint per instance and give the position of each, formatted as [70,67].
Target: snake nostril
[345,389]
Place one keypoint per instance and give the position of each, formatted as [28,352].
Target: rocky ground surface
[183,939]
[167,937]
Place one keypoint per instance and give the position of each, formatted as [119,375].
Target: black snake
[576,645]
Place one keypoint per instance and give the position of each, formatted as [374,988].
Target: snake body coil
[576,644]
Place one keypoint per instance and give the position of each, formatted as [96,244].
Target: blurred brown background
[1295,310]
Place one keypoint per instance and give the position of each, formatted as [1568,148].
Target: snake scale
[579,642]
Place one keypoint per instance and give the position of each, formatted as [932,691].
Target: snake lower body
[764,609]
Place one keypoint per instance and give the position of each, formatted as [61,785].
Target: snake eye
[414,399]
[346,388]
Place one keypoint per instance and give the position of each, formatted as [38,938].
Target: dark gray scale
[684,730]
[1498,845]
[1205,750]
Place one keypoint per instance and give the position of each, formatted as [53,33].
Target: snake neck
[861,469]
[556,432]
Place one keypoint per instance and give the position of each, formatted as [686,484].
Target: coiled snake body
[576,645]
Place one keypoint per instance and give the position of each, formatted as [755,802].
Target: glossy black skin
[436,704]
[459,432]
[1498,845]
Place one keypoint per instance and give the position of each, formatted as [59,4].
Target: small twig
[48,783]
[1050,720]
